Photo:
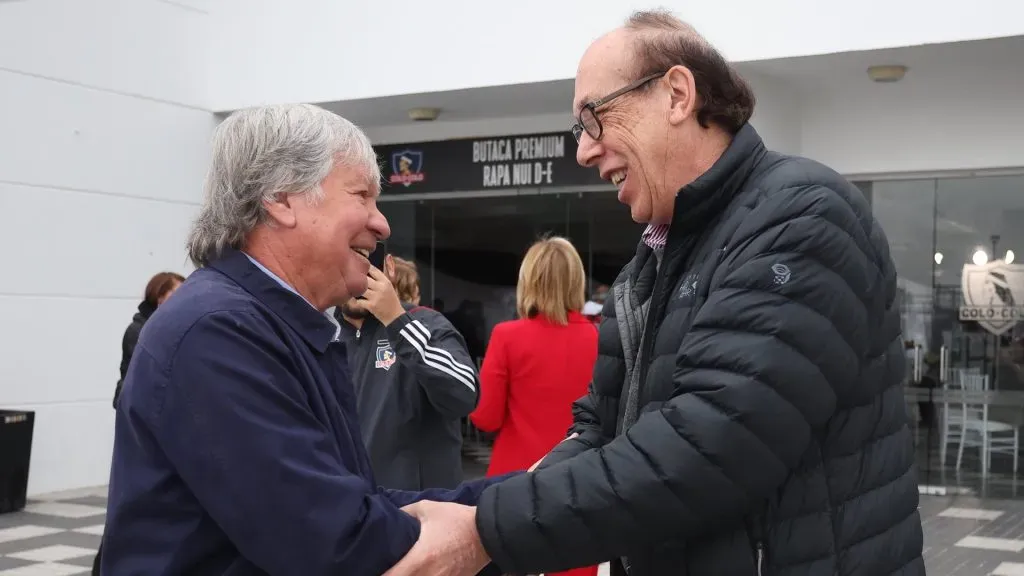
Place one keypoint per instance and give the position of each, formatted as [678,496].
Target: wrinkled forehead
[604,68]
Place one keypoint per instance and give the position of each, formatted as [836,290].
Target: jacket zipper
[758,531]
[649,332]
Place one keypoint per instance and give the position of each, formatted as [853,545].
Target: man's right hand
[537,463]
[448,545]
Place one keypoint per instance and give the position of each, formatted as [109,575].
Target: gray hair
[263,152]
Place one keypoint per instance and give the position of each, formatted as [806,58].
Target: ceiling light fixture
[980,257]
[424,114]
[887,73]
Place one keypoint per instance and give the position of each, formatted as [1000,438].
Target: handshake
[449,544]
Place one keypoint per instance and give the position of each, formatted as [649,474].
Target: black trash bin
[16,447]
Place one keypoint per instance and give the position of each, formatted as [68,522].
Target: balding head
[656,105]
[661,41]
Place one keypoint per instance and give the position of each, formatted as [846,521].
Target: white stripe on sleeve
[425,339]
[436,357]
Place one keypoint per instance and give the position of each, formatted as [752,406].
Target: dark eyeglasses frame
[590,108]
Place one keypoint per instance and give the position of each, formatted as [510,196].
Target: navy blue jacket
[237,448]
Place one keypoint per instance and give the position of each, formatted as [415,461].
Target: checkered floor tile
[55,535]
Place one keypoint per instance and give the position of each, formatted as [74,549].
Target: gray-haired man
[237,447]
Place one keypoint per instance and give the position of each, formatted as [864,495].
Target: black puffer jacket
[772,435]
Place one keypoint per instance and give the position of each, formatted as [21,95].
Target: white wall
[268,51]
[103,144]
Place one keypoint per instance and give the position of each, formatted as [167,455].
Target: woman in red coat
[537,366]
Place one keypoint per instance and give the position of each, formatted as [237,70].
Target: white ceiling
[924,59]
[800,74]
[471,104]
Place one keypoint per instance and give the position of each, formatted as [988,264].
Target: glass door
[468,250]
[980,289]
[953,242]
[906,211]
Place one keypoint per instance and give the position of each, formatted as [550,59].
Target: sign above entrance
[990,294]
[471,164]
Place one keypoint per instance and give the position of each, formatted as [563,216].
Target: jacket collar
[369,323]
[702,199]
[699,202]
[314,326]
[145,310]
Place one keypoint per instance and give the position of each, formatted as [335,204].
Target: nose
[378,224]
[588,151]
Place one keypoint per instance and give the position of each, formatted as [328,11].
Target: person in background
[237,447]
[159,288]
[413,378]
[592,309]
[536,366]
[406,279]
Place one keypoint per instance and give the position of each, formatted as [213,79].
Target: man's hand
[537,463]
[380,298]
[448,545]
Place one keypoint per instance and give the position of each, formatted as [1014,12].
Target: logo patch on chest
[385,355]
[782,273]
[688,287]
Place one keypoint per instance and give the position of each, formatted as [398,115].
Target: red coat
[532,373]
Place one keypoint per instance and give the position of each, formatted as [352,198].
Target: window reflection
[954,244]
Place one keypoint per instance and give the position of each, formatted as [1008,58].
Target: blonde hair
[551,281]
[407,279]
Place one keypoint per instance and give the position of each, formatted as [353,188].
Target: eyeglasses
[588,121]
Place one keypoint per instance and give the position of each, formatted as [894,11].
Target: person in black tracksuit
[414,383]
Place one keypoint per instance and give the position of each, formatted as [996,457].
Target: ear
[389,267]
[683,94]
[281,210]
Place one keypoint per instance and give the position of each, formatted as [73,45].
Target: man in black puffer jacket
[746,415]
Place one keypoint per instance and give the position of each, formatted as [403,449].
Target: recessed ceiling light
[424,114]
[887,73]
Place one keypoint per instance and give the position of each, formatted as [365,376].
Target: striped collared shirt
[655,235]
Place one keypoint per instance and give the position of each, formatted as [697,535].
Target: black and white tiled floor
[57,535]
[968,536]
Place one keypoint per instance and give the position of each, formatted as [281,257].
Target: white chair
[952,413]
[980,431]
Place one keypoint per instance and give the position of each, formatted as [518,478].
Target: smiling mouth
[618,177]
[364,252]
